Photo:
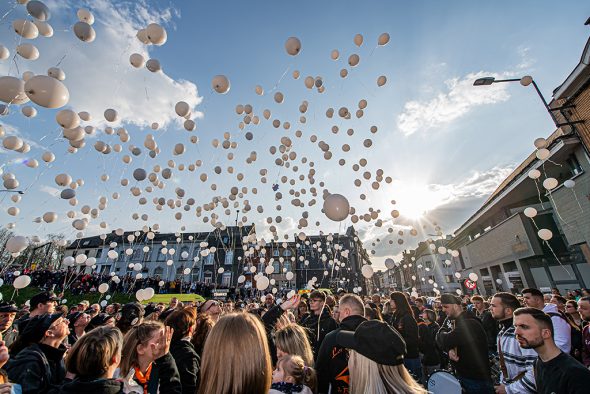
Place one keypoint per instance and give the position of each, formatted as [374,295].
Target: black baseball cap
[42,298]
[6,306]
[132,313]
[38,325]
[376,340]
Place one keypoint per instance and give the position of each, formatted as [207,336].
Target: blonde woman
[236,359]
[93,360]
[293,340]
[376,360]
[147,366]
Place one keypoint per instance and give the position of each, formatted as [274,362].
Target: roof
[577,78]
[556,136]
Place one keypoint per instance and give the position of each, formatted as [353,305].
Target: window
[136,254]
[277,267]
[287,265]
[196,274]
[225,239]
[226,279]
[209,260]
[449,278]
[229,257]
[574,165]
[98,253]
[275,253]
[287,253]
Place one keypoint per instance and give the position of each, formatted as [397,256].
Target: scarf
[143,379]
[287,388]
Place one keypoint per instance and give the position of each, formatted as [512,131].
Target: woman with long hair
[571,312]
[293,340]
[236,359]
[402,319]
[93,360]
[376,360]
[146,364]
[203,326]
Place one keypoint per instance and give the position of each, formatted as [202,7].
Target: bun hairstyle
[295,367]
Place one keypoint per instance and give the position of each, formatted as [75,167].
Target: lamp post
[526,81]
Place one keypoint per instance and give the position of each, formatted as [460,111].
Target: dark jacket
[586,346]
[10,335]
[470,340]
[165,376]
[185,355]
[38,368]
[490,326]
[408,328]
[332,361]
[98,386]
[426,343]
[326,324]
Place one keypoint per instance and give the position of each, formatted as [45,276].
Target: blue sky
[445,143]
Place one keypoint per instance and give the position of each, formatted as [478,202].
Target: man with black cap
[381,343]
[39,367]
[8,330]
[41,303]
[467,347]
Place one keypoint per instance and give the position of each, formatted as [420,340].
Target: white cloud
[461,96]
[52,191]
[98,74]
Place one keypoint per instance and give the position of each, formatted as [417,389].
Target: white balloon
[530,212]
[137,60]
[85,16]
[38,10]
[241,279]
[389,263]
[545,234]
[44,28]
[367,271]
[12,90]
[81,258]
[293,46]
[534,174]
[570,183]
[25,29]
[542,153]
[550,183]
[289,275]
[47,92]
[111,115]
[67,119]
[156,34]
[153,65]
[22,281]
[262,283]
[4,52]
[16,244]
[182,109]
[48,157]
[103,288]
[473,277]
[220,84]
[336,207]
[148,293]
[84,32]
[383,39]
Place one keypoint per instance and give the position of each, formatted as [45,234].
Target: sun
[415,200]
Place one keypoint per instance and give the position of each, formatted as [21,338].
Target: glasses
[316,300]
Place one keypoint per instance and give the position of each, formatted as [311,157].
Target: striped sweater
[517,360]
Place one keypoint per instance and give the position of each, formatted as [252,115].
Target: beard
[529,344]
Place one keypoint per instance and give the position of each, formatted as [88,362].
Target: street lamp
[13,191]
[526,81]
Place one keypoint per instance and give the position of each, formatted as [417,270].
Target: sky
[445,144]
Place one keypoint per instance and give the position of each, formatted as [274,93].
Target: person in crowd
[332,360]
[146,363]
[82,306]
[293,340]
[516,363]
[547,298]
[376,299]
[93,310]
[78,323]
[172,305]
[319,323]
[336,314]
[302,311]
[584,309]
[292,376]
[559,301]
[92,362]
[571,312]
[489,324]
[534,298]
[403,320]
[183,323]
[376,360]
[39,366]
[427,329]
[5,386]
[269,301]
[203,326]
[102,319]
[555,371]
[467,347]
[249,370]
[211,308]
[8,328]
[131,315]
[41,303]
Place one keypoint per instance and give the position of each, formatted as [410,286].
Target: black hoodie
[325,325]
[332,360]
[38,368]
[98,386]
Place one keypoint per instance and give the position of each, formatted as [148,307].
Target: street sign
[470,284]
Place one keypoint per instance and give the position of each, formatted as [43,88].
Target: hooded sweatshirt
[561,328]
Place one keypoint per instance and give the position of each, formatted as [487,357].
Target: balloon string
[9,11]
[578,201]
[539,193]
[558,261]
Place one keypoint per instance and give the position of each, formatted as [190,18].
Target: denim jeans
[474,386]
[414,366]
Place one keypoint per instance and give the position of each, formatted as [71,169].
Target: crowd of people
[310,343]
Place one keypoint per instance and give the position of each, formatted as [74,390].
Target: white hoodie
[562,334]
